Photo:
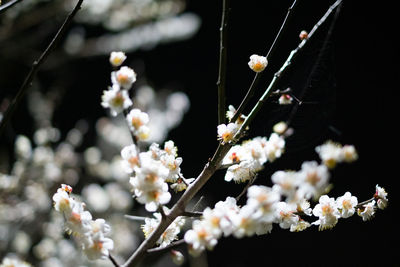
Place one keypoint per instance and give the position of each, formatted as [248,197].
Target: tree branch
[221,83]
[214,164]
[8,5]
[172,245]
[251,181]
[113,261]
[179,208]
[314,68]
[35,67]
[257,76]
[282,70]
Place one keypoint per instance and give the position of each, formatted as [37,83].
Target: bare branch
[222,62]
[35,67]
[113,261]
[251,181]
[214,164]
[162,249]
[282,70]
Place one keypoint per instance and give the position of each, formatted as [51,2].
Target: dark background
[352,92]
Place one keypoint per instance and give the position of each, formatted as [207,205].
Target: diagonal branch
[221,83]
[214,164]
[257,76]
[282,70]
[35,67]
[314,68]
[8,5]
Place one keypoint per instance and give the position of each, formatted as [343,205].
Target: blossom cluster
[13,262]
[116,98]
[246,159]
[151,171]
[169,235]
[90,234]
[286,203]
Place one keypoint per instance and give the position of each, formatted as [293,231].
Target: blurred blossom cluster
[29,227]
[126,24]
[121,14]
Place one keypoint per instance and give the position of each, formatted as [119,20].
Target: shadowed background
[351,100]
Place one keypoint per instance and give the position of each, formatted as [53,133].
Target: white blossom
[346,205]
[330,153]
[62,201]
[136,119]
[349,153]
[367,211]
[227,132]
[286,182]
[285,215]
[98,247]
[177,257]
[200,237]
[124,77]
[14,262]
[381,197]
[116,100]
[314,179]
[117,58]
[245,223]
[170,148]
[274,147]
[301,225]
[130,158]
[327,212]
[280,127]
[240,173]
[263,199]
[257,63]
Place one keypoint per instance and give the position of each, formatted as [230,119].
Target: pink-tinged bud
[303,35]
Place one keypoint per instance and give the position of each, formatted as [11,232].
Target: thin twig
[8,5]
[252,88]
[179,208]
[197,203]
[192,214]
[35,67]
[113,261]
[221,83]
[135,218]
[251,181]
[281,71]
[171,245]
[314,68]
[361,204]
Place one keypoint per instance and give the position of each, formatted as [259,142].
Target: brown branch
[252,88]
[35,67]
[214,164]
[222,62]
[251,181]
[179,208]
[282,70]
[113,261]
[171,245]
